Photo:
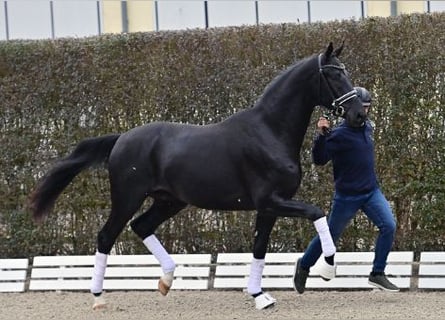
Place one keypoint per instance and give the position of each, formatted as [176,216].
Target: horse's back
[199,165]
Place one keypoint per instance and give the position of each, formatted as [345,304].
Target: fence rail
[227,271]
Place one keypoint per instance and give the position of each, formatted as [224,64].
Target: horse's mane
[295,67]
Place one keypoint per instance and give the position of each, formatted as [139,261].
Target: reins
[337,103]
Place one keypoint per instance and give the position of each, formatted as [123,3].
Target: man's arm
[320,156]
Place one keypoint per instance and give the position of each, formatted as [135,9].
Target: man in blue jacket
[351,151]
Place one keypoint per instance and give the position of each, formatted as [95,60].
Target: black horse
[250,161]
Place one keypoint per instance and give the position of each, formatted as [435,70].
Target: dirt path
[219,305]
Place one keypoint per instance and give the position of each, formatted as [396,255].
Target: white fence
[227,271]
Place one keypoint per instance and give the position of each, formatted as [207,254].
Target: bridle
[337,103]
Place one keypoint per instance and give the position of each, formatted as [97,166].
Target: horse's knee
[259,248]
[263,228]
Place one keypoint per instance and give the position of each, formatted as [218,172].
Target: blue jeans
[344,208]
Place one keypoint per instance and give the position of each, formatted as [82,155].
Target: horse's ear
[329,50]
[338,51]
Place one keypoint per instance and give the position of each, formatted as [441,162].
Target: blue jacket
[351,151]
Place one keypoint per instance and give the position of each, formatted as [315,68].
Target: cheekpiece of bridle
[337,103]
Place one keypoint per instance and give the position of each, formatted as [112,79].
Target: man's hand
[323,125]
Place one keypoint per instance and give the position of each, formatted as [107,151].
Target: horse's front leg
[293,208]
[263,228]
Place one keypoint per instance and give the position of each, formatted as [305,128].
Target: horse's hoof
[99,303]
[163,287]
[165,283]
[264,301]
[98,306]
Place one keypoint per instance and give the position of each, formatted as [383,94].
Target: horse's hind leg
[263,228]
[121,212]
[146,224]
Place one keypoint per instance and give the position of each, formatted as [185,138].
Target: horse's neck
[289,114]
[291,127]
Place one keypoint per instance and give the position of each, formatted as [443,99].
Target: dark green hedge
[55,93]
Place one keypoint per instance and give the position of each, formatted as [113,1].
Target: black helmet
[364,95]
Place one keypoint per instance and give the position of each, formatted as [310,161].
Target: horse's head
[336,90]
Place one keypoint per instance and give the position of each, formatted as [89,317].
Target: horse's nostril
[361,116]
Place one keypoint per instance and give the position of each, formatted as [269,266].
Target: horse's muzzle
[356,119]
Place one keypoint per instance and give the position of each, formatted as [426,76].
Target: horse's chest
[287,176]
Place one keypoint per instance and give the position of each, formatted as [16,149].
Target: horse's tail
[87,153]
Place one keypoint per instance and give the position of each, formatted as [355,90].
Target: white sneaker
[264,301]
[326,271]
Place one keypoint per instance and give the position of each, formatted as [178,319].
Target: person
[351,151]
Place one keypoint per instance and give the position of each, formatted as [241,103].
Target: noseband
[337,103]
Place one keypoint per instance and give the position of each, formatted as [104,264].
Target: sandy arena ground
[219,305]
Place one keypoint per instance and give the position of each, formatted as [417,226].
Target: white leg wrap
[256,274]
[168,279]
[157,249]
[100,265]
[327,244]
